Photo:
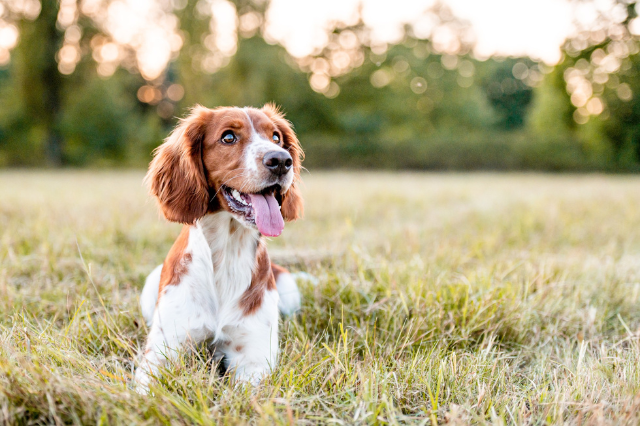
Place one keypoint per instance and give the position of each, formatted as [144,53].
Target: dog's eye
[276,138]
[228,137]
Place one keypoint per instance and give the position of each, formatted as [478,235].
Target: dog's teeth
[237,195]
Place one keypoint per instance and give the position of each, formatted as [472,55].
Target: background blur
[404,84]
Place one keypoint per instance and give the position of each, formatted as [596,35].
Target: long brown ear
[176,175]
[292,203]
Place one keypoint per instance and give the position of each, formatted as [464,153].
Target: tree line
[405,106]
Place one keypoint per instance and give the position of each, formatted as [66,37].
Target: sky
[504,27]
[518,27]
[535,28]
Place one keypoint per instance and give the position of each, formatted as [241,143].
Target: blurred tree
[621,122]
[600,70]
[509,95]
[37,82]
[87,96]
[551,115]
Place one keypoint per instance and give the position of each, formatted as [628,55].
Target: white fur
[257,148]
[149,294]
[205,304]
[289,294]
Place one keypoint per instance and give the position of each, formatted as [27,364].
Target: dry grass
[484,299]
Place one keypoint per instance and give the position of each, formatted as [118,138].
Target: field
[441,298]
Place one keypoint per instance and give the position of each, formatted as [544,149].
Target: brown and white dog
[230,175]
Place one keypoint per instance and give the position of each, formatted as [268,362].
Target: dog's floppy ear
[176,175]
[292,206]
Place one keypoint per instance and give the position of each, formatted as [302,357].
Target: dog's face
[242,160]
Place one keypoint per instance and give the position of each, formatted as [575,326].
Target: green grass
[442,298]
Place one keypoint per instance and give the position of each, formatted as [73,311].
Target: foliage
[508,95]
[403,107]
[622,127]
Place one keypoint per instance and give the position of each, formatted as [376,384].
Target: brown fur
[177,262]
[262,280]
[176,176]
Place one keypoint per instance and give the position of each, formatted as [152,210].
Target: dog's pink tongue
[268,216]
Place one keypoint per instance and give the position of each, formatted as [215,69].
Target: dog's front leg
[251,349]
[175,323]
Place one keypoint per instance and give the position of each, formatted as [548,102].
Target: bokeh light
[145,30]
[588,78]
[380,78]
[175,92]
[149,94]
[332,38]
[418,85]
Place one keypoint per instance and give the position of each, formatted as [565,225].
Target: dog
[231,176]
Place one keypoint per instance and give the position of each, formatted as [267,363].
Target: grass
[442,299]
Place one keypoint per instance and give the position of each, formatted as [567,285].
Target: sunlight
[148,30]
[8,39]
[507,27]
[503,27]
[144,36]
[8,36]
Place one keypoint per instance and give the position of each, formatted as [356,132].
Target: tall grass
[441,298]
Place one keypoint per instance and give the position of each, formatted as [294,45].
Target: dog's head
[243,160]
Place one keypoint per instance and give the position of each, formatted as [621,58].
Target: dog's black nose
[278,162]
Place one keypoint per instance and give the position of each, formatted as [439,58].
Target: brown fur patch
[262,280]
[177,262]
[176,175]
[292,207]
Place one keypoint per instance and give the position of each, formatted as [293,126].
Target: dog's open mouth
[261,209]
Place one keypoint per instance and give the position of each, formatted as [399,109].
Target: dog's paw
[141,381]
[245,376]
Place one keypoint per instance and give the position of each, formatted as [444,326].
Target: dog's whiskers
[225,182]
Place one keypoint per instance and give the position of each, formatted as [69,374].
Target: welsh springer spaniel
[230,175]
